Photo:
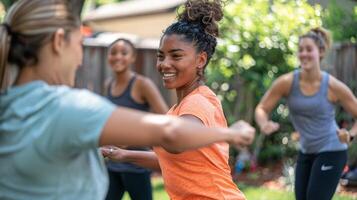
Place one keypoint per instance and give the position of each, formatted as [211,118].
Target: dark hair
[321,37]
[197,24]
[28,25]
[132,46]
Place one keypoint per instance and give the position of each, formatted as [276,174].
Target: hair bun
[204,12]
[324,35]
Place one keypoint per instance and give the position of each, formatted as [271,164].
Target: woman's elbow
[171,137]
[171,144]
[174,150]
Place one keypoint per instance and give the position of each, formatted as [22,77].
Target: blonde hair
[28,25]
[321,37]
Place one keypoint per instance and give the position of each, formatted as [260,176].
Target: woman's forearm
[353,130]
[146,159]
[261,116]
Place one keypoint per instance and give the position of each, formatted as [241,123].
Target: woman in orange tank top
[184,52]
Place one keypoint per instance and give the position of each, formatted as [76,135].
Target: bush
[341,22]
[259,40]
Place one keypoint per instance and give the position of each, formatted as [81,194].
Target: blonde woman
[311,97]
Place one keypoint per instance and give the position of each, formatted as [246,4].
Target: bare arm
[130,127]
[280,88]
[152,95]
[346,98]
[147,159]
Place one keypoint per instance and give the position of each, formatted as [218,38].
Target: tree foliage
[7,3]
[102,2]
[258,44]
[341,21]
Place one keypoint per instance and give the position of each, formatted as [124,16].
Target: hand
[344,136]
[113,153]
[245,133]
[295,136]
[269,127]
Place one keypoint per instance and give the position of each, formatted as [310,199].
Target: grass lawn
[261,193]
[252,193]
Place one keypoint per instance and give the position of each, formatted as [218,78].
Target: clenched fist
[245,133]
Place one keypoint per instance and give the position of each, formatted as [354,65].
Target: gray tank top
[314,118]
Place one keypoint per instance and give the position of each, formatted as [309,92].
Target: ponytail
[29,24]
[5,40]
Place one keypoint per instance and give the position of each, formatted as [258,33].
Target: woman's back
[45,150]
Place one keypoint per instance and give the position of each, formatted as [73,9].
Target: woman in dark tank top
[311,97]
[134,91]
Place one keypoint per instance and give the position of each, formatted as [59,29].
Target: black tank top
[126,100]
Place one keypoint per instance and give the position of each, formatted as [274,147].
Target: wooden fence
[341,62]
[95,71]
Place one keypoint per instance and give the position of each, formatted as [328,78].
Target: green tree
[7,3]
[96,3]
[258,44]
[341,22]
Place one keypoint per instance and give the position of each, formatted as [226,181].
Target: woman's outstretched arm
[134,128]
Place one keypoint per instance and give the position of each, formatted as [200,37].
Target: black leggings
[317,175]
[138,185]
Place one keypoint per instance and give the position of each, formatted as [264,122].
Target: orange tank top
[203,173]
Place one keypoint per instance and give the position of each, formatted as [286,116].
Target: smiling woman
[50,132]
[175,60]
[311,97]
[184,51]
[135,91]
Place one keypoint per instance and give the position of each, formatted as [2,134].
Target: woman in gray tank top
[311,96]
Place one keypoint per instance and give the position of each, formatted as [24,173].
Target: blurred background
[258,43]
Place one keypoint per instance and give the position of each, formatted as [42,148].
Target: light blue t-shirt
[49,139]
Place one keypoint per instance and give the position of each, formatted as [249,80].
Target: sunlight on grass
[158,188]
[252,193]
[261,193]
[255,193]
